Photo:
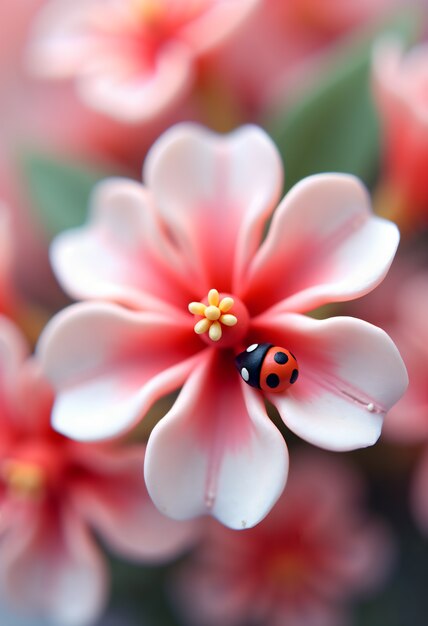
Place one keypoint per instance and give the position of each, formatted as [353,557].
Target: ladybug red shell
[267,367]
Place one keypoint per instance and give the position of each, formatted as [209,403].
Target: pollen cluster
[214,315]
[24,479]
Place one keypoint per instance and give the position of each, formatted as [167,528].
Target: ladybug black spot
[272,381]
[281,358]
[294,376]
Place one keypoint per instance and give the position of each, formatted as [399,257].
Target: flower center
[24,479]
[151,12]
[221,319]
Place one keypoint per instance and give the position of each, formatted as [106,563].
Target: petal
[218,21]
[407,421]
[50,566]
[399,77]
[134,95]
[324,245]
[20,379]
[60,44]
[121,254]
[214,194]
[113,499]
[350,374]
[216,451]
[109,364]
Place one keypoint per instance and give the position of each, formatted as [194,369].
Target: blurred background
[340,85]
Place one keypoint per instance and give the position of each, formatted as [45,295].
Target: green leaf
[58,191]
[333,125]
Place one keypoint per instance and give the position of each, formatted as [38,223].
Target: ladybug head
[249,363]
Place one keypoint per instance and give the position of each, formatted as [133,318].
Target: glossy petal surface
[350,374]
[216,453]
[203,182]
[324,245]
[114,364]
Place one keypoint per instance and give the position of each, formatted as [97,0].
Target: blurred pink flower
[400,306]
[52,491]
[316,551]
[409,420]
[400,86]
[195,234]
[131,58]
[283,43]
[56,123]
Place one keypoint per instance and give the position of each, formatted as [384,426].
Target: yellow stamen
[197,308]
[24,479]
[213,297]
[213,315]
[202,326]
[215,331]
[228,320]
[226,304]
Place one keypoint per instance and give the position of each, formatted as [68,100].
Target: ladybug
[267,367]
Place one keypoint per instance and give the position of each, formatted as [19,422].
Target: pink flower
[409,419]
[408,422]
[316,551]
[53,491]
[406,292]
[410,416]
[194,235]
[283,42]
[131,58]
[400,81]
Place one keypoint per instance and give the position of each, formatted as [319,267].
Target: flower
[53,491]
[283,43]
[400,88]
[317,550]
[194,234]
[131,58]
[406,291]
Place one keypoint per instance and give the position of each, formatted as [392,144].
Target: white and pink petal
[61,43]
[122,253]
[216,452]
[214,22]
[131,93]
[324,245]
[201,182]
[350,375]
[113,499]
[109,364]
